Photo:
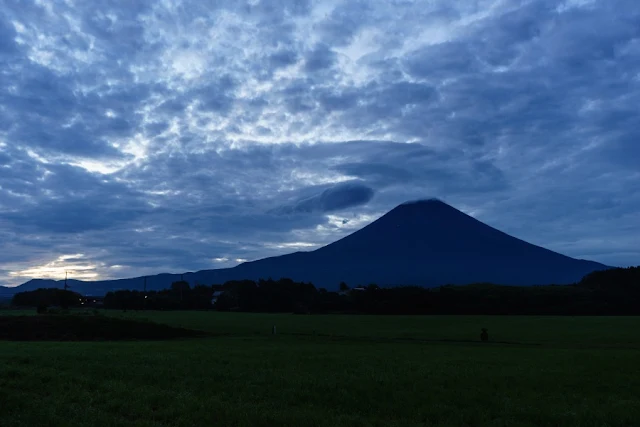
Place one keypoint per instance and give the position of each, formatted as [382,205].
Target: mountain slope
[425,243]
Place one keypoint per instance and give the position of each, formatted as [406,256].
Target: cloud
[63,265]
[320,58]
[338,197]
[442,60]
[164,135]
[7,39]
[283,58]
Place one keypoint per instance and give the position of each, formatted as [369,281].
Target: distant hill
[425,243]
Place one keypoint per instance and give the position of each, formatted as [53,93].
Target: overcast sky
[173,136]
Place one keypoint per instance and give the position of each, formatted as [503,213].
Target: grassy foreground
[333,371]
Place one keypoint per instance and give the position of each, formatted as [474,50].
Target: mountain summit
[424,243]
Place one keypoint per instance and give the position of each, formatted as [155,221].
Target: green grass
[334,371]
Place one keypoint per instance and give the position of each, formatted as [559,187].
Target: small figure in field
[484,336]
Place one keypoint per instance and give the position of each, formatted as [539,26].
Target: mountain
[426,243]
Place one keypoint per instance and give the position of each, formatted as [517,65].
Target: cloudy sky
[167,136]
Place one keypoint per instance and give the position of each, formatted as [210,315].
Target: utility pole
[64,304]
[144,307]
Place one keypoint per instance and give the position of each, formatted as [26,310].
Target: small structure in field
[484,335]
[215,296]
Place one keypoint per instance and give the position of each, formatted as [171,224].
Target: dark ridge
[86,328]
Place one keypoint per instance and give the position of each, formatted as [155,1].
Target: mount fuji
[425,243]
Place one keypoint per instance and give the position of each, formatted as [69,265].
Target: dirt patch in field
[86,328]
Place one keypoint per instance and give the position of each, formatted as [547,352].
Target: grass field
[334,371]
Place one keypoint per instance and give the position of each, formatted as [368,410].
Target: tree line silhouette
[47,297]
[609,292]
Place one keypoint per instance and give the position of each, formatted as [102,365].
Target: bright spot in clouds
[73,265]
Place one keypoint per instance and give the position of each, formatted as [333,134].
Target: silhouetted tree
[615,291]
